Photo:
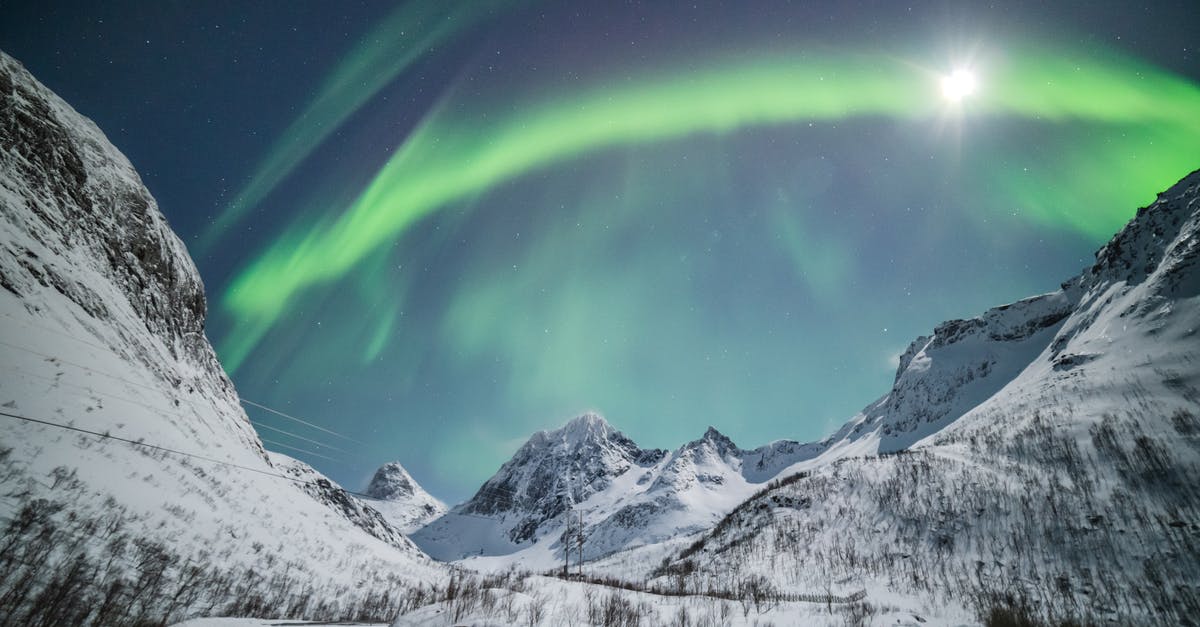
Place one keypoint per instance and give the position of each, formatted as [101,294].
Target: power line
[158,390]
[299,437]
[184,399]
[56,332]
[281,444]
[152,388]
[108,436]
[113,352]
[279,413]
[55,359]
[88,389]
[163,410]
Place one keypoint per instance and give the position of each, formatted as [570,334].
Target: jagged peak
[907,356]
[586,427]
[713,435]
[713,439]
[1150,237]
[1190,181]
[586,422]
[391,482]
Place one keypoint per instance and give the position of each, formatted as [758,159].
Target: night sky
[435,229]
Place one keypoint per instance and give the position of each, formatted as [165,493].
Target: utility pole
[567,548]
[567,536]
[573,535]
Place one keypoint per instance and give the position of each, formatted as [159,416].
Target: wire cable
[161,410]
[152,388]
[300,437]
[247,401]
[54,359]
[108,436]
[293,448]
[158,390]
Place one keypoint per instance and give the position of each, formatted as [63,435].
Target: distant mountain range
[627,496]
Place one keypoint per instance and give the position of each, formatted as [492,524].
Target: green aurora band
[1131,110]
[400,40]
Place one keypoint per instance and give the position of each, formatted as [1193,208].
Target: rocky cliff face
[554,470]
[102,330]
[964,362]
[71,193]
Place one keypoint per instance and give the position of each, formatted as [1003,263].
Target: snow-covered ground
[545,601]
[268,622]
[548,602]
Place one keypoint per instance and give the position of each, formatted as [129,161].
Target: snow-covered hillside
[626,496]
[1060,467]
[101,330]
[401,500]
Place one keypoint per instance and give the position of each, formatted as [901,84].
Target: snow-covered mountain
[1055,458]
[627,496]
[396,495]
[961,364]
[102,331]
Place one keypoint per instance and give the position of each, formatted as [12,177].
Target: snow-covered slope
[1061,465]
[101,330]
[627,496]
[944,375]
[401,500]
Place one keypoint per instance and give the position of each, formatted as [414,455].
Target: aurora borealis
[378,58]
[445,161]
[454,224]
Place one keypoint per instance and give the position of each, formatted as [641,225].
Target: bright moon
[958,85]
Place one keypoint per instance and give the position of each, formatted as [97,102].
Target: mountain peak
[586,422]
[1161,232]
[714,439]
[402,500]
[391,482]
[551,472]
[584,428]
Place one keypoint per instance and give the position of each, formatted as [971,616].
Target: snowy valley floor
[535,600]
